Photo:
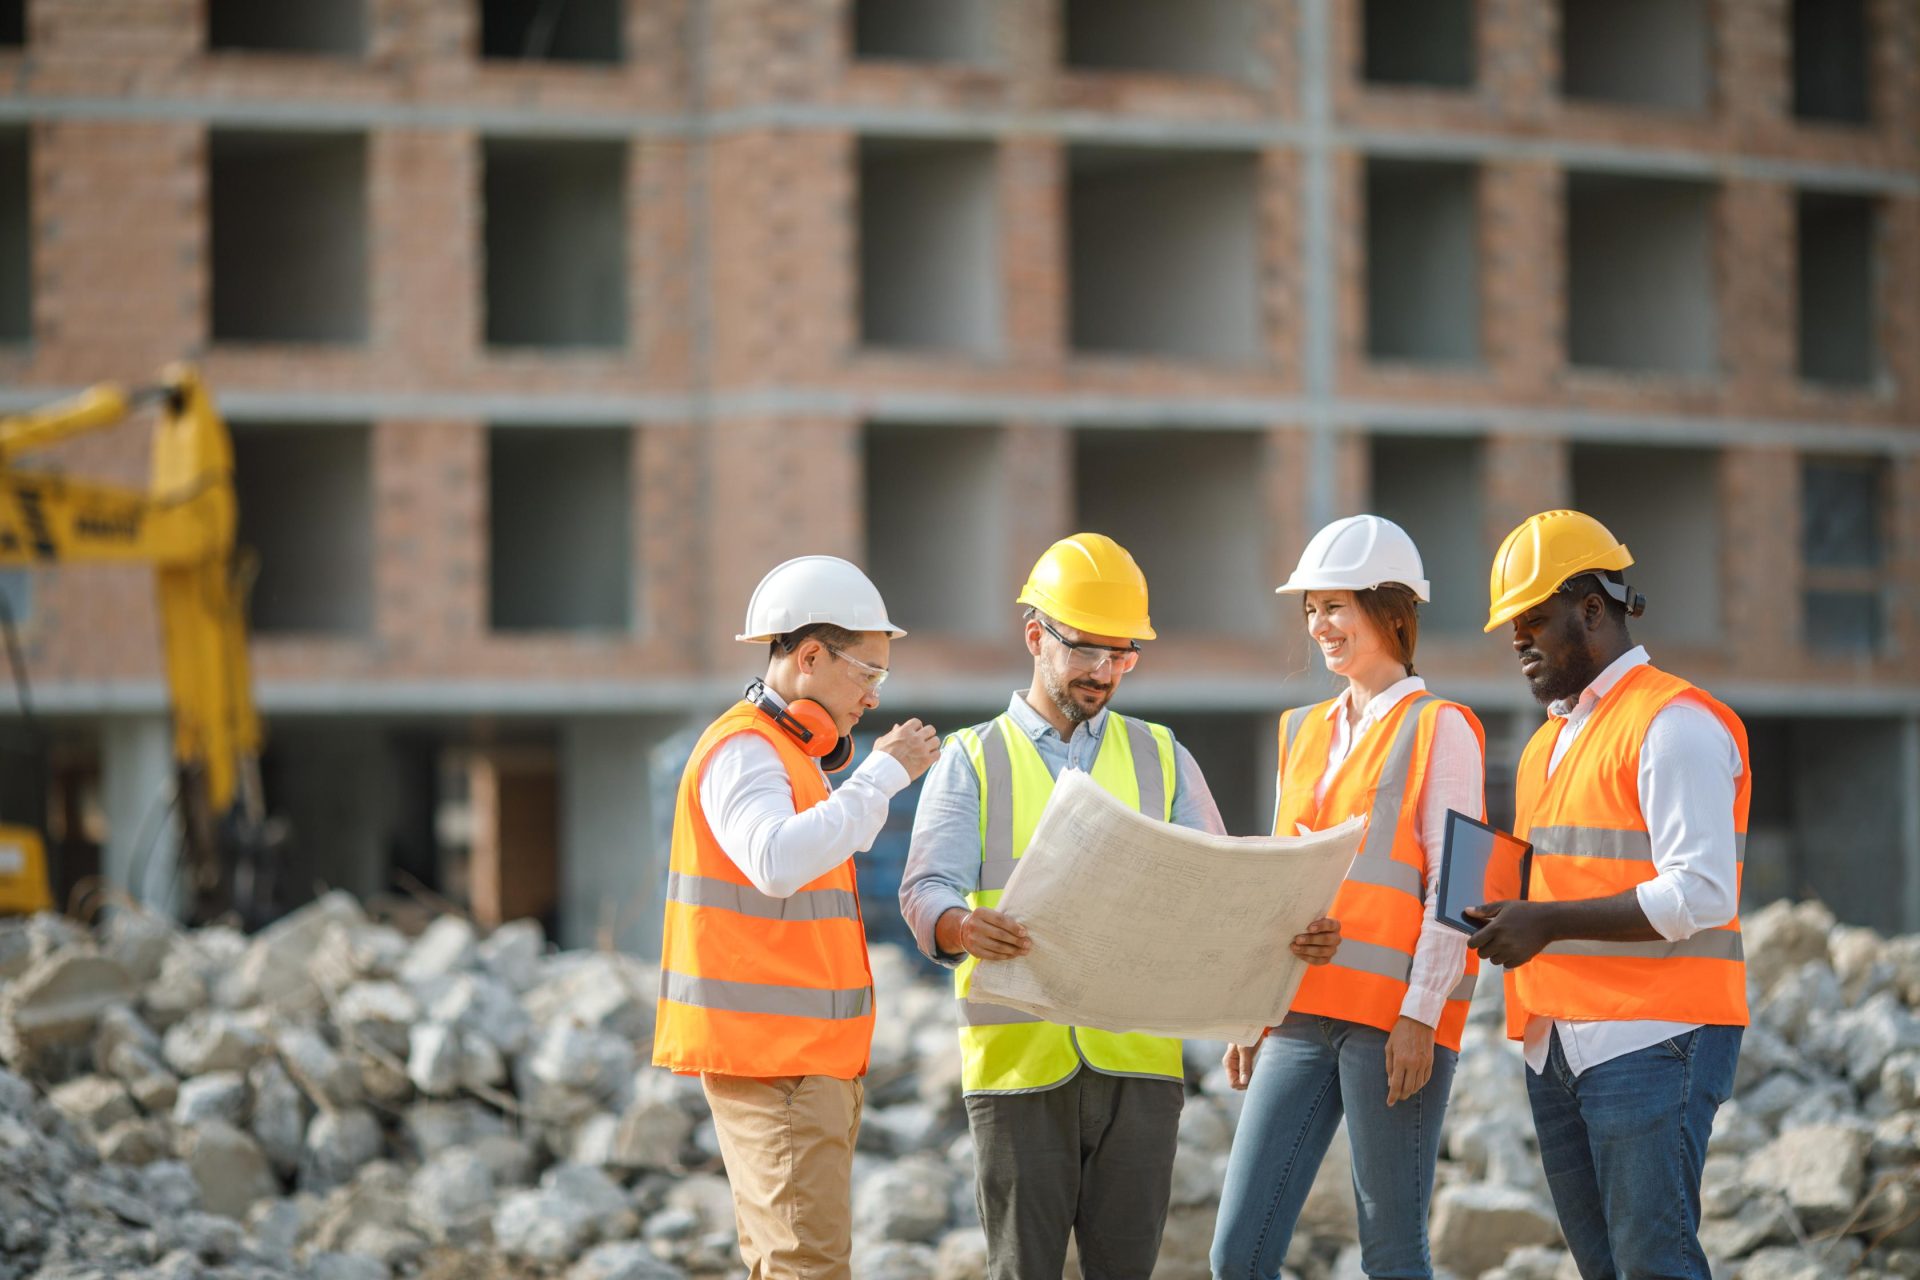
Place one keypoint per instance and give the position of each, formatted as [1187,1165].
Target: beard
[1577,669]
[1061,693]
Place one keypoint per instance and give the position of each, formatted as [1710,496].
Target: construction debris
[332,1100]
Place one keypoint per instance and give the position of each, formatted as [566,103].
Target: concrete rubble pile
[331,1099]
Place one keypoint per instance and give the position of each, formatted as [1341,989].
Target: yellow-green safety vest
[1003,1050]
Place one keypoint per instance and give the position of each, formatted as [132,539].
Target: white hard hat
[813,589]
[1358,553]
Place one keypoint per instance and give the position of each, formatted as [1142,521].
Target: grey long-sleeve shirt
[943,860]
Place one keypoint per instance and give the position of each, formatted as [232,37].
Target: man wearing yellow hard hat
[1625,973]
[1073,1128]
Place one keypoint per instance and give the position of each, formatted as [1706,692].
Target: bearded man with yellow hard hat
[1073,1128]
[1626,978]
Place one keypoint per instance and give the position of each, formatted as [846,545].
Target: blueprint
[1139,925]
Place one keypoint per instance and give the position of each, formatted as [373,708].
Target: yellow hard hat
[1090,583]
[1544,552]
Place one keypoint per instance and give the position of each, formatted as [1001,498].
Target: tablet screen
[1479,864]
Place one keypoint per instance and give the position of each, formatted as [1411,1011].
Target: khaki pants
[788,1147]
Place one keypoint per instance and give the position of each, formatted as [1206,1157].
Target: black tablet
[1478,864]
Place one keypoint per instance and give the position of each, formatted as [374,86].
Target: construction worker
[765,990]
[1625,979]
[1073,1129]
[1373,1036]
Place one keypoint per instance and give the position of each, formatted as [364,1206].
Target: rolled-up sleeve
[1193,803]
[1688,764]
[943,857]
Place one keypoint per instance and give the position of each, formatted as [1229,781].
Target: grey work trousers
[1092,1157]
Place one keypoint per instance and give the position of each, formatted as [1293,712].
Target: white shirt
[748,800]
[1688,764]
[1456,776]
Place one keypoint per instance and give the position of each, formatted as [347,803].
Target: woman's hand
[1239,1063]
[1409,1059]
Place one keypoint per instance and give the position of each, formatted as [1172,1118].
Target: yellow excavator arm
[183,526]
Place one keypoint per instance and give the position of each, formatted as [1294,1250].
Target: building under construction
[545,328]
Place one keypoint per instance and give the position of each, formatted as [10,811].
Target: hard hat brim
[1301,583]
[770,637]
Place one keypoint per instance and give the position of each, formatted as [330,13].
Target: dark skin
[1562,643]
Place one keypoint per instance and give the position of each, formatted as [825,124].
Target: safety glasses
[864,674]
[1089,658]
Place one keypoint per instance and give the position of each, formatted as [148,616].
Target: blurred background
[545,327]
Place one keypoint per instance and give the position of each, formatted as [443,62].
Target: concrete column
[616,816]
[143,831]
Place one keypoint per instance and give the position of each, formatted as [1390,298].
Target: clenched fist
[915,745]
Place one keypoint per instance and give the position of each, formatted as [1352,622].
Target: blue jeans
[1623,1144]
[1310,1071]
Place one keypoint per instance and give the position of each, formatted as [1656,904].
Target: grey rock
[279,1116]
[451,1196]
[218,1095]
[276,968]
[169,1185]
[1819,1168]
[138,1141]
[321,1072]
[1791,1264]
[433,1127]
[512,953]
[48,1013]
[1475,1227]
[601,991]
[579,1059]
[346,1266]
[482,1004]
[909,1201]
[892,1260]
[541,1226]
[447,946]
[337,1144]
[208,1236]
[1760,1220]
[651,1135]
[231,1170]
[623,1260]
[434,1058]
[94,1102]
[511,1161]
[212,1040]
[118,1026]
[378,1013]
[1782,936]
[962,1255]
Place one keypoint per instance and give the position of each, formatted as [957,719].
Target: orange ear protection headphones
[807,723]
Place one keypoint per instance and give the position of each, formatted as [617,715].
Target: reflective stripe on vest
[750,984]
[1005,1050]
[1591,840]
[1381,905]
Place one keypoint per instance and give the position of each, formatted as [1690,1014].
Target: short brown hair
[1394,612]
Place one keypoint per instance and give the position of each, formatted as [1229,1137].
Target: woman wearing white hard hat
[1374,1035]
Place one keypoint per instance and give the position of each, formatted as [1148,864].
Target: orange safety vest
[1590,840]
[1382,903]
[752,985]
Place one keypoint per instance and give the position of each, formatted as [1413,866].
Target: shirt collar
[1035,725]
[1382,702]
[1603,683]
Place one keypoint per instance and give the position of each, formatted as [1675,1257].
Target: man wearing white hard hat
[765,990]
[1372,1038]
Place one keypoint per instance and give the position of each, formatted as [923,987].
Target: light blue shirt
[943,860]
